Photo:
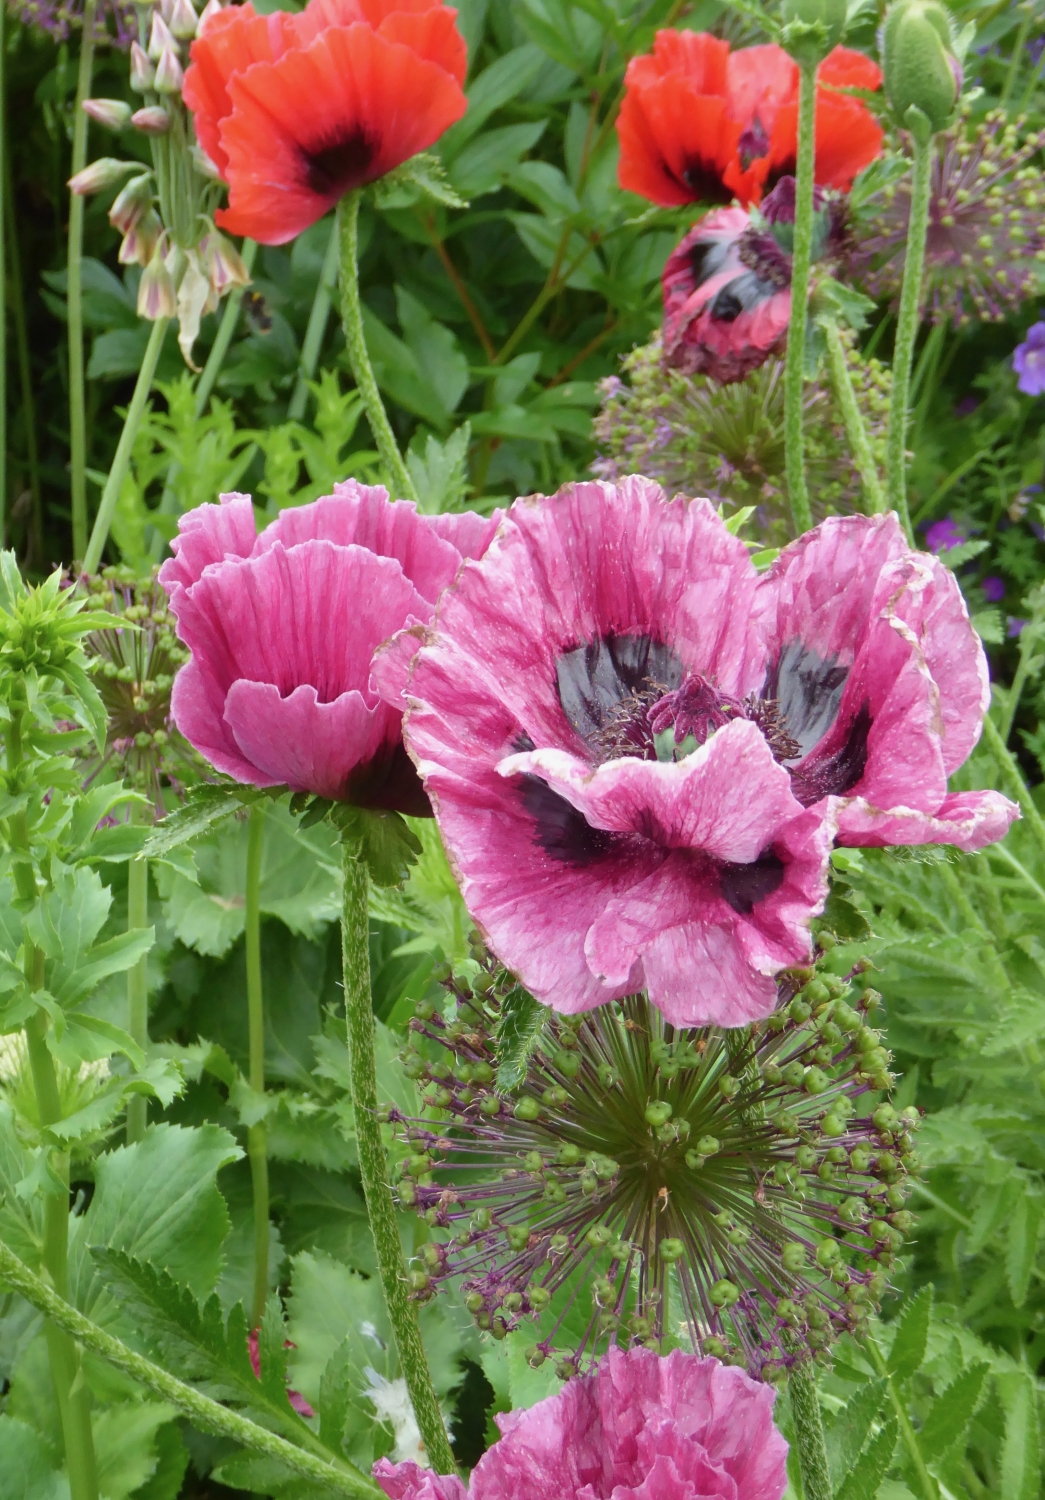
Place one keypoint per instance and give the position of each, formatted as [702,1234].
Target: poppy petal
[323,120]
[845,68]
[848,138]
[433,35]
[675,143]
[231,42]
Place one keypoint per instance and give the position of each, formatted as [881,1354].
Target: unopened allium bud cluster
[741,1192]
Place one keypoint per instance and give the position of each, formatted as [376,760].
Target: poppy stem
[801,263]
[137,981]
[122,460]
[335,1475]
[373,1164]
[907,324]
[257,1136]
[317,327]
[355,340]
[809,1433]
[855,429]
[74,291]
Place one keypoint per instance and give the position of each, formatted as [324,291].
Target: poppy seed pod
[812,28]
[921,70]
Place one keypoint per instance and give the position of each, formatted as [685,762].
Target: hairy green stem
[926,1483]
[210,1416]
[223,338]
[907,325]
[359,359]
[257,1138]
[35,552]
[855,429]
[317,327]
[74,291]
[137,981]
[4,212]
[801,263]
[809,1433]
[124,448]
[373,1164]
[1014,776]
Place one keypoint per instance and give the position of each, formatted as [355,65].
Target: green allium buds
[920,66]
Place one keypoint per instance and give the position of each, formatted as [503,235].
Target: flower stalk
[4,168]
[339,1478]
[223,337]
[137,981]
[809,1433]
[74,291]
[122,460]
[373,1164]
[855,429]
[352,319]
[801,262]
[257,1138]
[317,327]
[907,321]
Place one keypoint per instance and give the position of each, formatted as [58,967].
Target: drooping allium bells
[640,752]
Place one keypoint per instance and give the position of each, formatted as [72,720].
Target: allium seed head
[738,1191]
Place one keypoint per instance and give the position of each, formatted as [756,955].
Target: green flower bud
[527,1108]
[812,27]
[921,70]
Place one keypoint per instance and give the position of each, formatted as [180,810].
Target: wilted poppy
[297,110]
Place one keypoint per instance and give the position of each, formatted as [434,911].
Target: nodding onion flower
[741,1192]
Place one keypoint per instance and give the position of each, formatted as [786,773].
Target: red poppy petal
[697,55]
[231,42]
[845,69]
[759,81]
[432,34]
[747,185]
[848,138]
[334,116]
[675,143]
[642,168]
[319,14]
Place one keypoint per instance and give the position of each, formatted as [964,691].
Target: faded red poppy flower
[297,110]
[700,123]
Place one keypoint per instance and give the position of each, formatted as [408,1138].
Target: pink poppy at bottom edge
[639,1427]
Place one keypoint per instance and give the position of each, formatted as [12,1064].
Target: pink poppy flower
[283,627]
[639,751]
[640,1427]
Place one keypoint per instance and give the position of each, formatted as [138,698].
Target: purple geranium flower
[993,588]
[1028,360]
[638,750]
[941,536]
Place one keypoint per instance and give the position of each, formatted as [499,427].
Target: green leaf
[908,1350]
[1020,1454]
[518,1034]
[848,1432]
[385,841]
[951,1412]
[1021,1247]
[335,1394]
[843,919]
[27,1464]
[495,87]
[204,806]
[157,1199]
[421,178]
[871,1467]
[171,1459]
[125,1445]
[65,924]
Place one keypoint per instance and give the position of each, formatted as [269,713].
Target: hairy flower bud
[921,70]
[104,173]
[169,74]
[812,28]
[183,21]
[159,37]
[152,120]
[156,295]
[114,114]
[143,73]
[130,203]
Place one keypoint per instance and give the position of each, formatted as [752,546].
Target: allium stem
[926,1483]
[257,1136]
[223,337]
[801,261]
[855,430]
[35,550]
[809,1433]
[124,448]
[137,981]
[907,326]
[1014,776]
[4,168]
[352,320]
[339,1478]
[74,292]
[373,1164]
[317,327]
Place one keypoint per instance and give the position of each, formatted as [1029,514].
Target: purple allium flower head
[985,224]
[993,588]
[1028,360]
[116,19]
[942,535]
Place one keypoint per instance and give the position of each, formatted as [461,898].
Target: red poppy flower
[296,110]
[702,123]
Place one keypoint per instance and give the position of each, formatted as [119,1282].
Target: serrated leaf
[386,843]
[28,1466]
[952,1411]
[125,1444]
[204,806]
[867,1473]
[848,1433]
[518,1033]
[843,919]
[1020,1454]
[423,176]
[908,1350]
[1021,1244]
[335,1393]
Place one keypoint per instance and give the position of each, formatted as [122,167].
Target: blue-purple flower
[1028,360]
[942,535]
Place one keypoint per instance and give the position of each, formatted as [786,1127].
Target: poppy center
[753,143]
[704,181]
[335,168]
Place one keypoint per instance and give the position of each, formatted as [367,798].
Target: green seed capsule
[658,1112]
[672,1250]
[527,1108]
[723,1294]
